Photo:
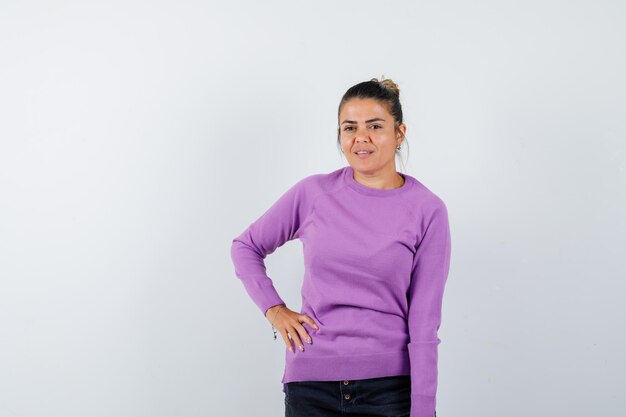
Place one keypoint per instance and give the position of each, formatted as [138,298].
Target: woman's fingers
[295,336]
[286,339]
[303,332]
[310,321]
[293,332]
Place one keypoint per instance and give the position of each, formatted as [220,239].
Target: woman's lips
[363,155]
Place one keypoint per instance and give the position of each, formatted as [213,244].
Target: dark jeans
[385,397]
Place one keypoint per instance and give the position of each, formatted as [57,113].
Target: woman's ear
[401,132]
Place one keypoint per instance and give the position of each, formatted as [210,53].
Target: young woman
[377,253]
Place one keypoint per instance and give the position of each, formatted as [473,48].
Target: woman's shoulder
[311,186]
[423,196]
[321,181]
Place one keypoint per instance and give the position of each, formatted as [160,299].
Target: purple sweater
[376,264]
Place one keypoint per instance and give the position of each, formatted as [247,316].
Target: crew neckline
[348,176]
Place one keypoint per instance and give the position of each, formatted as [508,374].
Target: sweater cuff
[264,295]
[422,406]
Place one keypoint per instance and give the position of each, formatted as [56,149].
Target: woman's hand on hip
[288,323]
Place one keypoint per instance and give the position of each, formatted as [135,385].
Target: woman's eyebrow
[376,119]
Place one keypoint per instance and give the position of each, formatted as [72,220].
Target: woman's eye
[352,127]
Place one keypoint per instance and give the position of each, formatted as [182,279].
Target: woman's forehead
[363,109]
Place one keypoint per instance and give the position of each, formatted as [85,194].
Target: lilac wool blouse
[376,264]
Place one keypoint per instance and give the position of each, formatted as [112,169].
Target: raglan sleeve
[279,224]
[429,274]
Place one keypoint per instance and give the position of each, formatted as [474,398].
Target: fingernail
[308,341]
[302,348]
[290,348]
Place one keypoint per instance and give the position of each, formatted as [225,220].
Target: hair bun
[388,83]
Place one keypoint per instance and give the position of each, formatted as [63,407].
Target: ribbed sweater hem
[299,367]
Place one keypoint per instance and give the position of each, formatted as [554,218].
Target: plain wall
[138,138]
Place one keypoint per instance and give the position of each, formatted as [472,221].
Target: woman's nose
[361,133]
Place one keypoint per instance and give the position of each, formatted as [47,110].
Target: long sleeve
[279,224]
[428,278]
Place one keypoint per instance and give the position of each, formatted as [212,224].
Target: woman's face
[365,124]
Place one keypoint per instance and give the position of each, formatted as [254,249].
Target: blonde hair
[388,83]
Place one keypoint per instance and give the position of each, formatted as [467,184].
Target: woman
[377,253]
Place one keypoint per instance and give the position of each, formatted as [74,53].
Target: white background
[139,137]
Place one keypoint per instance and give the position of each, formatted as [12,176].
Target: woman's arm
[279,224]
[428,278]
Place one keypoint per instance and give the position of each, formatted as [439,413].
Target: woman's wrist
[272,309]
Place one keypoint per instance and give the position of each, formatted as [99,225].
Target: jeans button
[345,382]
